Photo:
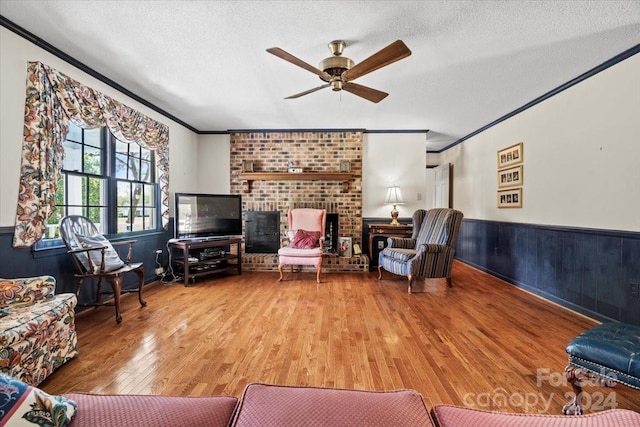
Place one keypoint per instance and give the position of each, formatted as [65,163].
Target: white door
[442,189]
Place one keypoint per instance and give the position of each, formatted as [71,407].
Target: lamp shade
[394,196]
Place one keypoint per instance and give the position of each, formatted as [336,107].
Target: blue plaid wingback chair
[429,251]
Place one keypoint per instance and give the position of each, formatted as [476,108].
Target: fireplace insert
[262,232]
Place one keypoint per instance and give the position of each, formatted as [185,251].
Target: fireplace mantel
[248,177]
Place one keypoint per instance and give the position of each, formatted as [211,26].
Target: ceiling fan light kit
[339,71]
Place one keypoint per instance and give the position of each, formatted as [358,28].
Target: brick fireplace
[314,152]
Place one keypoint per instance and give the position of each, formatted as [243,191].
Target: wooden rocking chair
[95,258]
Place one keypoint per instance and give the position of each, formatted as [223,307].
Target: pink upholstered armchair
[305,237]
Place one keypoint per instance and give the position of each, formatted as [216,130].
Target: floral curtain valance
[52,99]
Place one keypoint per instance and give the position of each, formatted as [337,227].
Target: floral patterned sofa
[37,328]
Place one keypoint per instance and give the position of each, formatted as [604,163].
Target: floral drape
[52,100]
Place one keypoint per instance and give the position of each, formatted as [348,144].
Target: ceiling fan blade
[390,54]
[367,93]
[299,62]
[306,92]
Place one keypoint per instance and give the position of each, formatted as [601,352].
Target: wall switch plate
[381,244]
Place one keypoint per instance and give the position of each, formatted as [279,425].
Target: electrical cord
[168,276]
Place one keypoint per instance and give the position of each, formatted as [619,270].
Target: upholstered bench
[609,354]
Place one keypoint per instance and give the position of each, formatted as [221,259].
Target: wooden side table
[385,230]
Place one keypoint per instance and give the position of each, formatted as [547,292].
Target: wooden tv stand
[201,257]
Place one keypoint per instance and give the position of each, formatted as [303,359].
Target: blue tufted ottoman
[609,354]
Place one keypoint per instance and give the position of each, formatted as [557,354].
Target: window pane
[124,194]
[75,210]
[52,222]
[52,231]
[123,212]
[123,219]
[122,160]
[146,165]
[92,160]
[123,223]
[75,190]
[98,215]
[59,197]
[96,191]
[121,147]
[93,137]
[72,156]
[149,196]
[134,169]
[136,205]
[75,133]
[145,171]
[121,166]
[149,218]
[125,215]
[137,195]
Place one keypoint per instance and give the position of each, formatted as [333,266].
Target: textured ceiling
[205,61]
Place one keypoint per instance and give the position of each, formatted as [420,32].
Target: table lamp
[394,197]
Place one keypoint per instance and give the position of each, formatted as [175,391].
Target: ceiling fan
[339,71]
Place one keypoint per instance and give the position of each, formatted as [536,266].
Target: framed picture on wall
[510,156]
[345,249]
[345,166]
[510,177]
[247,166]
[511,198]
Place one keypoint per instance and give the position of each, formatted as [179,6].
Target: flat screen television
[207,216]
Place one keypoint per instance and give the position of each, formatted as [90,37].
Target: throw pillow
[291,234]
[305,239]
[112,260]
[24,405]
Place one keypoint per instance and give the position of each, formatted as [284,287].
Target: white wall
[395,159]
[581,157]
[214,175]
[15,52]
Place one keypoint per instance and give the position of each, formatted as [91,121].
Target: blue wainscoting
[56,262]
[587,270]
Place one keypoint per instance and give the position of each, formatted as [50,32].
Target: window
[107,180]
[136,190]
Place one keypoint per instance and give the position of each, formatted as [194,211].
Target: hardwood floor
[482,343]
